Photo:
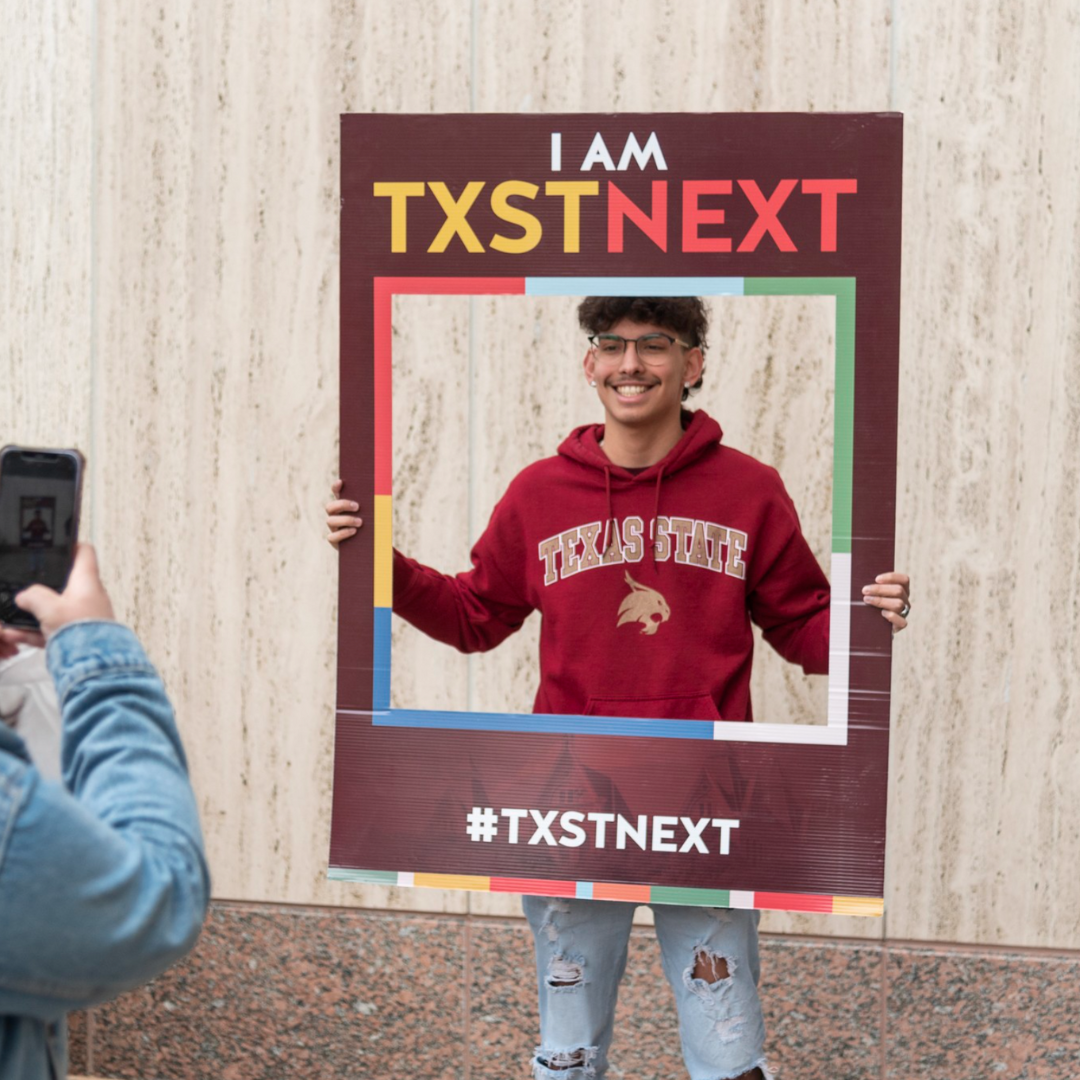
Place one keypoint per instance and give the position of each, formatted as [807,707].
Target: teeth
[628,391]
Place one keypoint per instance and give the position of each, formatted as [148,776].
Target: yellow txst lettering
[455,210]
[516,216]
[398,194]
[572,192]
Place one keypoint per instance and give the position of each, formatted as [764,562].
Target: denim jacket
[103,880]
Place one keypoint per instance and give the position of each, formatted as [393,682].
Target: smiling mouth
[630,389]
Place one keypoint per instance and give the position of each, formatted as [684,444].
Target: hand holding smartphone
[40,494]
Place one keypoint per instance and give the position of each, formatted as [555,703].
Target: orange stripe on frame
[452,881]
[870,906]
[638,894]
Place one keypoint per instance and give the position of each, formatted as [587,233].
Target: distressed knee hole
[563,972]
[549,929]
[711,967]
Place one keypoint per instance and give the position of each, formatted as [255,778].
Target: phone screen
[39,523]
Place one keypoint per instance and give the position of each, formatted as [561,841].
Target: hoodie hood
[701,433]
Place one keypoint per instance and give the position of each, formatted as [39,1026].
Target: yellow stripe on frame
[384,553]
[452,881]
[873,907]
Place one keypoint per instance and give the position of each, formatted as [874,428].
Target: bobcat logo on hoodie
[643,605]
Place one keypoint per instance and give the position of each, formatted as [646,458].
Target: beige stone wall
[168,235]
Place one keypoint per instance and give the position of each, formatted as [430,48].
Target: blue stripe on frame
[584,890]
[545,723]
[380,677]
[633,286]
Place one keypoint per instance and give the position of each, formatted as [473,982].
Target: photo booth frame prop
[795,813]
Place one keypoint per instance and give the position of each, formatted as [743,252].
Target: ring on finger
[905,610]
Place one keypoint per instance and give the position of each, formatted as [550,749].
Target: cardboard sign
[668,808]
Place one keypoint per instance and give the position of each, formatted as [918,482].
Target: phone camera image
[39,519]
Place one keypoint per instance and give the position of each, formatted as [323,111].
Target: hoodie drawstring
[656,516]
[654,526]
[610,520]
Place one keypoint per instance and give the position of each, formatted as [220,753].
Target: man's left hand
[889,593]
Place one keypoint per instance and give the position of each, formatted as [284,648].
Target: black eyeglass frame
[595,339]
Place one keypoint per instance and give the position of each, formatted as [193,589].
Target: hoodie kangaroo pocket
[685,707]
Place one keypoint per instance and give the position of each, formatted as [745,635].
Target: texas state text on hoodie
[646,581]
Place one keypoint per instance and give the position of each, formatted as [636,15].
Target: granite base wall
[285,992]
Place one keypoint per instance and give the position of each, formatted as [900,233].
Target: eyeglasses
[651,348]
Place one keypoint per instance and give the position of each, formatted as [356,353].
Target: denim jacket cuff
[90,647]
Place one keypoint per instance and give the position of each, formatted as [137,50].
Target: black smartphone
[40,493]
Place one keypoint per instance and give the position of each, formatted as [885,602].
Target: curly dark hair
[686,315]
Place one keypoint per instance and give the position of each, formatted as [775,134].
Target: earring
[592,383]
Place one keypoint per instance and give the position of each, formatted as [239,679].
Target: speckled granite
[273,993]
[502,998]
[823,1009]
[970,1016]
[287,993]
[77,1043]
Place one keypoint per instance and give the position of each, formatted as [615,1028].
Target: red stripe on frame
[782,901]
[533,886]
[382,305]
[453,286]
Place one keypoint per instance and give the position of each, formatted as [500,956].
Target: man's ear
[695,365]
[589,363]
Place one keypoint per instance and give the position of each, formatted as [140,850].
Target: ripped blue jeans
[580,959]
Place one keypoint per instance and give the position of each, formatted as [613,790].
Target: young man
[648,547]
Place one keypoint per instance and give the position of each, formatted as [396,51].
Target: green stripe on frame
[695,897]
[367,877]
[843,289]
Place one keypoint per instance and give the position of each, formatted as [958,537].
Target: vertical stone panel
[218,337]
[46,169]
[431,481]
[696,56]
[983,836]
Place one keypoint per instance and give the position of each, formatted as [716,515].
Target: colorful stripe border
[834,731]
[868,906]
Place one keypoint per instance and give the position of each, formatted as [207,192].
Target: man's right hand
[340,516]
[84,597]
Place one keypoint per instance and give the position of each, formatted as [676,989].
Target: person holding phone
[103,879]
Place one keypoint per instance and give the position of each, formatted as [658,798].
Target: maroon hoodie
[632,628]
